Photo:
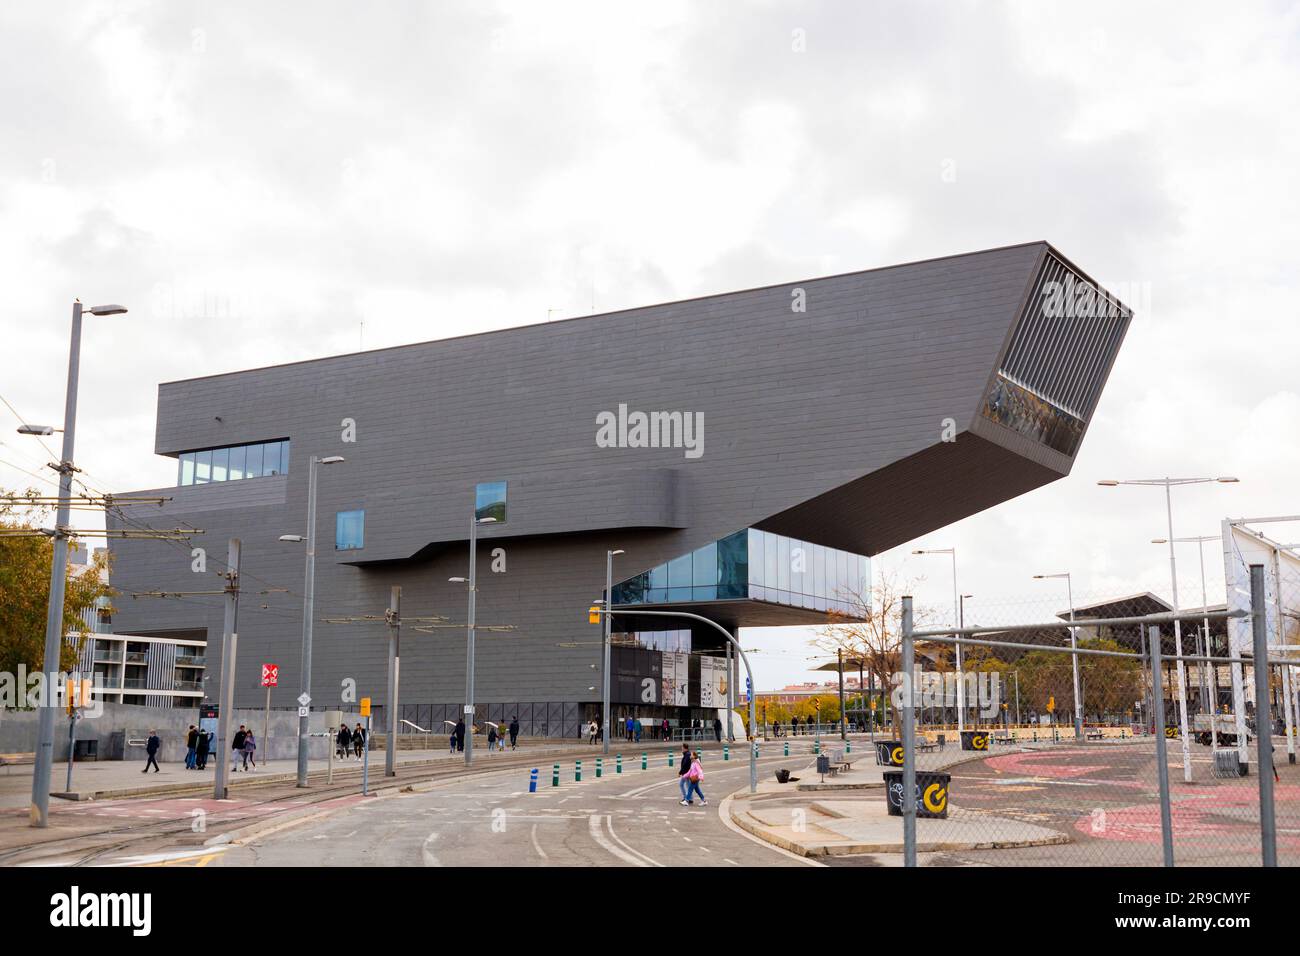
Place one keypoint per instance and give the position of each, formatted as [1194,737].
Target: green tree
[25,564]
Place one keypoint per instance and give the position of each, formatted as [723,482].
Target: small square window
[490,500]
[350,530]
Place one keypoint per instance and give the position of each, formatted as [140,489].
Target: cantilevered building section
[746,451]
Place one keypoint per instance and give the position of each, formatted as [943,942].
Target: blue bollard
[532,781]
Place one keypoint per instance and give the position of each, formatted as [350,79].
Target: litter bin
[823,764]
[974,740]
[87,749]
[889,753]
[931,794]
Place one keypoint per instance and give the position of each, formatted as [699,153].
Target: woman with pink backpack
[693,777]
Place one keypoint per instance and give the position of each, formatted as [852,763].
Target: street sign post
[270,678]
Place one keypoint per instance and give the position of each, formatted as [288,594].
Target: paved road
[1106,799]
[491,819]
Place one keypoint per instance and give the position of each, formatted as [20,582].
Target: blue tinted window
[704,563]
[238,456]
[490,500]
[271,459]
[202,467]
[253,464]
[659,577]
[350,530]
[284,457]
[679,572]
[220,463]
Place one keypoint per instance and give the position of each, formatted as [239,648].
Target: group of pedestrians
[350,742]
[496,738]
[198,744]
[689,775]
[243,748]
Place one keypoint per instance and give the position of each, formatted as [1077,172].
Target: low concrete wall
[18,731]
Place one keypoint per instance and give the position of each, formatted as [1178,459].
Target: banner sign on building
[713,682]
[676,678]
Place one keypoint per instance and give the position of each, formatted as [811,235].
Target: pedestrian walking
[201,754]
[593,731]
[460,735]
[492,737]
[693,777]
[717,728]
[237,748]
[191,747]
[343,741]
[628,727]
[151,748]
[637,728]
[683,768]
[666,731]
[451,740]
[359,740]
[250,747]
[514,732]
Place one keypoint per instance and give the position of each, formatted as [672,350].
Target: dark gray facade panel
[826,423]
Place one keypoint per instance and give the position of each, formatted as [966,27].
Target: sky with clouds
[266,183]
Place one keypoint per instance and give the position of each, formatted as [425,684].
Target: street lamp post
[1167,484]
[956,613]
[1202,680]
[308,609]
[472,585]
[609,598]
[1074,647]
[44,764]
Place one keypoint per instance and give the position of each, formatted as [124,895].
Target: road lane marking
[610,823]
[536,845]
[596,829]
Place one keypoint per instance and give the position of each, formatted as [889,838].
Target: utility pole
[394,618]
[229,642]
[606,631]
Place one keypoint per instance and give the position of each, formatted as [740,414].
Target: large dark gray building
[746,451]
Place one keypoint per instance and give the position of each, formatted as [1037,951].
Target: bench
[927,746]
[1092,734]
[1003,738]
[16,760]
[836,761]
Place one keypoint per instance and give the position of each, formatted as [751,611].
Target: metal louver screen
[1066,340]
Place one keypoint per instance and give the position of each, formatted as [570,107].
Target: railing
[187,685]
[135,683]
[137,657]
[191,660]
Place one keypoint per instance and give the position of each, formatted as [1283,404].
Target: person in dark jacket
[237,748]
[460,735]
[201,751]
[514,732]
[684,768]
[191,747]
[717,728]
[343,741]
[358,739]
[492,737]
[151,748]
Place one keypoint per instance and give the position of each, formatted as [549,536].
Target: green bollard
[787,749]
[645,762]
[555,775]
[600,766]
[670,758]
[577,771]
[848,746]
[726,752]
[618,764]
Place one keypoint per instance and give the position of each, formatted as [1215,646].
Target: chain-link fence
[1127,735]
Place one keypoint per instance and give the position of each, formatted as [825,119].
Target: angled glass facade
[754,565]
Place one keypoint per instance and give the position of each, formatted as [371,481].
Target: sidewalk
[109,779]
[804,817]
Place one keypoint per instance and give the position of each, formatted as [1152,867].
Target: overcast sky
[256,181]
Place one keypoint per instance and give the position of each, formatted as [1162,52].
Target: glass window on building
[238,456]
[349,530]
[253,462]
[270,459]
[490,500]
[202,467]
[284,457]
[220,463]
[187,468]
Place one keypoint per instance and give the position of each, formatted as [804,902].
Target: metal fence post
[1162,756]
[1263,718]
[909,740]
